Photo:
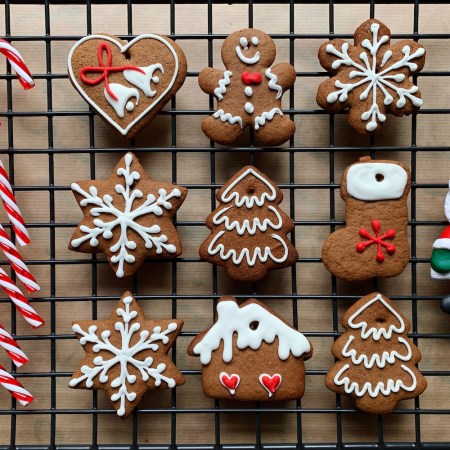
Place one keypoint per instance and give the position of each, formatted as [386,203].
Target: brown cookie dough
[374,242]
[371,77]
[127,217]
[249,91]
[251,353]
[127,83]
[376,359]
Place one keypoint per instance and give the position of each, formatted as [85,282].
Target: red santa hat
[444,240]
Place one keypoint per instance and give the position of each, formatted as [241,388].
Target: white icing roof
[233,319]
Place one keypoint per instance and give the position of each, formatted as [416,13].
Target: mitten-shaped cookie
[374,242]
[249,91]
[371,77]
[376,359]
[249,230]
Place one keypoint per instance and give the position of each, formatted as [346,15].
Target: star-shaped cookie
[128,217]
[126,355]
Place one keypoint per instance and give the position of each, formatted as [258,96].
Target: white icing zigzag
[266,115]
[273,83]
[125,219]
[367,70]
[227,117]
[123,355]
[232,319]
[223,83]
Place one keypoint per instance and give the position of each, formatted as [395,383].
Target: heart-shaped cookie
[127,83]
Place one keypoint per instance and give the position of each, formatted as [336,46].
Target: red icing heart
[270,383]
[231,382]
[251,78]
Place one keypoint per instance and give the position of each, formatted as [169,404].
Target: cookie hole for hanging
[251,190]
[379,177]
[127,55]
[254,325]
[380,320]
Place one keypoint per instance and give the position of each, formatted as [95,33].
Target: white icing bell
[123,94]
[143,80]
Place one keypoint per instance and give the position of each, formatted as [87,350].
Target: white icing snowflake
[123,355]
[376,78]
[126,219]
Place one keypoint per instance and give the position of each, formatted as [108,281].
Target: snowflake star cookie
[374,242]
[248,229]
[126,355]
[249,91]
[128,217]
[127,83]
[371,77]
[376,359]
[251,353]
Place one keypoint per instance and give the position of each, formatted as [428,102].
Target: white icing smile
[245,45]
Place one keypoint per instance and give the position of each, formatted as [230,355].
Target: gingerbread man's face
[248,48]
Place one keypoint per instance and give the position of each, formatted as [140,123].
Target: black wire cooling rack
[217,412]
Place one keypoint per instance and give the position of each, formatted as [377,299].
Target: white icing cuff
[442,243]
[439,276]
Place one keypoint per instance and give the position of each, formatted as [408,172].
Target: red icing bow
[104,69]
[251,78]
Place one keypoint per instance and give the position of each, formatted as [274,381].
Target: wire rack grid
[172,412]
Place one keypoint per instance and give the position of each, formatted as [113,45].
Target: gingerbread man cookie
[249,91]
[374,242]
[371,77]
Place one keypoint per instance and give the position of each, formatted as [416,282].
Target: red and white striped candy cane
[14,387]
[13,211]
[12,348]
[22,304]
[17,63]
[17,262]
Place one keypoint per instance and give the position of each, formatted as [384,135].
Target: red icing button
[251,78]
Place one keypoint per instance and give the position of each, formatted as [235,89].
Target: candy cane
[14,387]
[13,211]
[17,262]
[12,348]
[17,63]
[22,304]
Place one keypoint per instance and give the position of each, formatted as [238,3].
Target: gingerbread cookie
[371,77]
[374,242]
[249,91]
[128,217]
[376,359]
[251,353]
[249,230]
[127,83]
[126,355]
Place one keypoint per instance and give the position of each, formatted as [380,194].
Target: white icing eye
[243,41]
[255,40]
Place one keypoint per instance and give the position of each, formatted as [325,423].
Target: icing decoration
[270,383]
[376,78]
[249,78]
[247,226]
[126,219]
[232,319]
[249,108]
[243,41]
[228,195]
[377,239]
[387,388]
[231,382]
[143,78]
[273,83]
[246,60]
[15,388]
[266,115]
[105,69]
[227,117]
[440,257]
[121,98]
[255,41]
[223,83]
[124,355]
[376,181]
[248,91]
[440,260]
[17,63]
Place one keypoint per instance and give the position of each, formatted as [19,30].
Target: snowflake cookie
[371,77]
[126,355]
[128,217]
[376,361]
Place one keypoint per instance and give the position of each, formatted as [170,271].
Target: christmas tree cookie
[248,229]
[376,359]
[126,355]
[251,353]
